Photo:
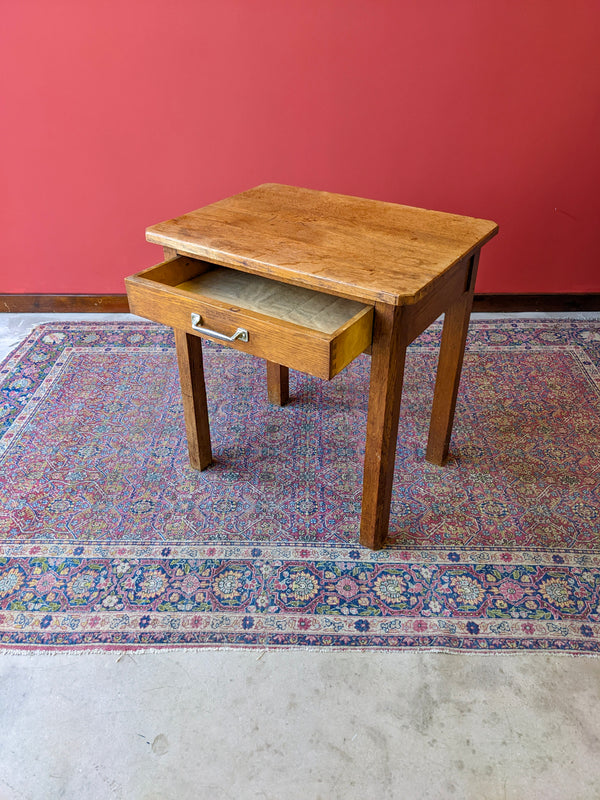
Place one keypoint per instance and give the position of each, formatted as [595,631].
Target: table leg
[387,371]
[278,383]
[193,394]
[452,349]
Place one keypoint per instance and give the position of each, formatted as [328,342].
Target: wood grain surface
[385,390]
[452,349]
[367,250]
[278,383]
[193,396]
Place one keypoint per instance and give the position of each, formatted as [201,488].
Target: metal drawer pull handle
[241,333]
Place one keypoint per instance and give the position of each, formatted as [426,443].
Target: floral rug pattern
[109,540]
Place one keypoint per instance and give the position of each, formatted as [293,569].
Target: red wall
[120,113]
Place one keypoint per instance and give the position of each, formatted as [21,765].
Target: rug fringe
[262,650]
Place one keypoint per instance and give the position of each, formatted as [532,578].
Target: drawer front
[294,346]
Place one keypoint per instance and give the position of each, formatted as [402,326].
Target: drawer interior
[295,326]
[311,309]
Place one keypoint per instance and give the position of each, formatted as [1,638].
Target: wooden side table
[308,280]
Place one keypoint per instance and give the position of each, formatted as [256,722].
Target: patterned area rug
[109,540]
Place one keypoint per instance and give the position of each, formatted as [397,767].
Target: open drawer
[306,330]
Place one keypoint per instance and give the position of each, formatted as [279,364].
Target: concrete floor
[294,724]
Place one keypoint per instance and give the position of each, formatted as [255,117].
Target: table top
[368,250]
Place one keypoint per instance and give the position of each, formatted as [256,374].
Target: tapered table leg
[193,393]
[278,383]
[452,350]
[387,371]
